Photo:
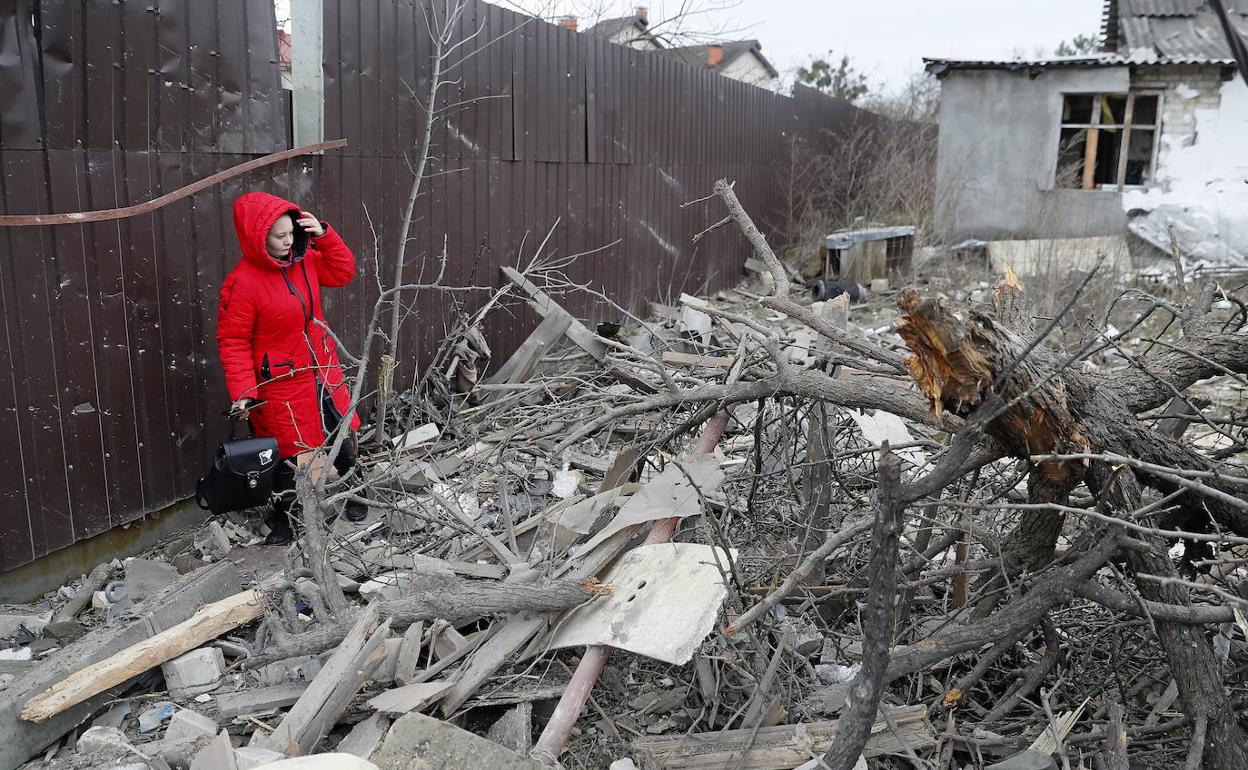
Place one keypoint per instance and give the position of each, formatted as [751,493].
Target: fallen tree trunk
[964,357]
[438,597]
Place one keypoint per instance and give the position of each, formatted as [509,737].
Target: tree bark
[438,597]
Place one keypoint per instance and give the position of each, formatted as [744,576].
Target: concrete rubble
[518,535]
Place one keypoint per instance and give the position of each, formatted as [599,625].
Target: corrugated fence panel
[112,403]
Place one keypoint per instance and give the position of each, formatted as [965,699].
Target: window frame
[1126,126]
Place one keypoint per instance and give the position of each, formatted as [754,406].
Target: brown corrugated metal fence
[111,401]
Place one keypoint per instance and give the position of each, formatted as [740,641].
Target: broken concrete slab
[217,755]
[251,757]
[665,601]
[194,673]
[104,740]
[418,742]
[12,625]
[300,668]
[20,740]
[114,717]
[365,738]
[188,725]
[514,729]
[145,578]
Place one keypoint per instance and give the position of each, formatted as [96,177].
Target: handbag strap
[234,421]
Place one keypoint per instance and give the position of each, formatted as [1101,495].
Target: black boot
[280,532]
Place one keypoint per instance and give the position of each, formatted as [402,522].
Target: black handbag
[241,475]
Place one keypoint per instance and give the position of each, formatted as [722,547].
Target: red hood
[254,214]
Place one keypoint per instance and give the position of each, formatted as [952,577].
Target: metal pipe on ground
[555,736]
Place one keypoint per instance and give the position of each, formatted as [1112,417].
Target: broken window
[1107,140]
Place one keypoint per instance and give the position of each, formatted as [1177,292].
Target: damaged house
[1146,136]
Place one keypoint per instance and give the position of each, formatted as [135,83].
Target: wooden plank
[784,746]
[209,622]
[545,306]
[303,720]
[278,696]
[1089,159]
[519,367]
[401,700]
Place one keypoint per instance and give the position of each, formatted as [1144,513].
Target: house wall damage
[1145,137]
[997,157]
[1202,166]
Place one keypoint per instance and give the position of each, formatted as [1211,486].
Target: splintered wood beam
[209,622]
[541,302]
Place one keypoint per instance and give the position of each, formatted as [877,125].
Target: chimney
[568,22]
[714,55]
[643,14]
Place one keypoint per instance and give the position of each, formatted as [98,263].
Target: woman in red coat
[281,364]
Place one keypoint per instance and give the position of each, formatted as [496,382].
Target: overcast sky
[885,38]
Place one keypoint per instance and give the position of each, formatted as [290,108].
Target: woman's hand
[240,407]
[311,224]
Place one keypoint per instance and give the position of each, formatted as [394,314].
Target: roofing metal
[939,67]
[1160,8]
[1173,31]
[1140,32]
[839,241]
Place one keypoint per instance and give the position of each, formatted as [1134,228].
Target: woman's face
[281,238]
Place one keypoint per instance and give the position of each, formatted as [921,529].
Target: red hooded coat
[271,346]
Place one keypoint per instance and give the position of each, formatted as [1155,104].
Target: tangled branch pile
[940,543]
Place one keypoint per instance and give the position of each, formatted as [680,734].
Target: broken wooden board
[21,740]
[545,306]
[784,746]
[338,681]
[411,697]
[209,622]
[279,696]
[520,366]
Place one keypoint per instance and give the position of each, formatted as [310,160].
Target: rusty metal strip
[104,215]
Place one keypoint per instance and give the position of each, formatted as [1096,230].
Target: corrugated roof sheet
[1175,31]
[1142,32]
[1160,8]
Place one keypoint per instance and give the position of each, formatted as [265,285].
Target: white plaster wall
[748,69]
[631,38]
[1202,165]
[997,157]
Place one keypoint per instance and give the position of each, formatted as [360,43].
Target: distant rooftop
[706,56]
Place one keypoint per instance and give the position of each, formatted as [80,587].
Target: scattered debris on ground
[749,531]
